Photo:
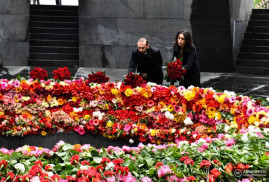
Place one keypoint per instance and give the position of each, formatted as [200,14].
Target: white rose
[131,141]
[188,121]
[20,167]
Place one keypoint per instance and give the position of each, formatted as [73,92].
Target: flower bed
[150,113]
[215,134]
[225,158]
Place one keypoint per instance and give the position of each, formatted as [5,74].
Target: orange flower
[60,101]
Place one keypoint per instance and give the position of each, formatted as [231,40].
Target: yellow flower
[252,119]
[87,116]
[2,113]
[153,132]
[218,116]
[189,95]
[170,108]
[221,98]
[74,99]
[49,98]
[135,129]
[109,124]
[128,92]
[43,133]
[114,91]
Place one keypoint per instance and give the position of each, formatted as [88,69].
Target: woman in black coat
[186,52]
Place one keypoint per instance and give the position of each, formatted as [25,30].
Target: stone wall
[240,14]
[109,29]
[14,19]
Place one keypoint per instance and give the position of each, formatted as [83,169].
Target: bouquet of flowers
[61,74]
[175,71]
[98,77]
[39,73]
[133,80]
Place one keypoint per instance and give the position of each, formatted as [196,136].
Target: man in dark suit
[147,60]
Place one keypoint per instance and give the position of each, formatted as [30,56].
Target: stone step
[57,43]
[256,42]
[253,56]
[50,49]
[53,12]
[259,17]
[258,23]
[254,49]
[260,11]
[52,36]
[54,56]
[57,63]
[252,70]
[54,18]
[42,24]
[264,29]
[252,63]
[53,7]
[54,30]
[251,35]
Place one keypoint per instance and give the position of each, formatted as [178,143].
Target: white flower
[20,167]
[35,179]
[173,130]
[110,166]
[98,114]
[188,121]
[50,173]
[78,109]
[182,143]
[245,137]
[131,141]
[267,145]
[83,167]
[194,136]
[169,115]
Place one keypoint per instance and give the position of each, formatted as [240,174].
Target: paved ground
[254,85]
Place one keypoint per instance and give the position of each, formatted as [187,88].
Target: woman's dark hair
[188,41]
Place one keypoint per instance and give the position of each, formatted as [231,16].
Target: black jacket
[190,63]
[151,63]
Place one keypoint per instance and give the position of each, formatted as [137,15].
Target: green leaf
[67,146]
[97,159]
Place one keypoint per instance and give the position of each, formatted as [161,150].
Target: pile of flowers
[229,157]
[149,113]
[98,77]
[39,73]
[133,80]
[174,71]
[61,74]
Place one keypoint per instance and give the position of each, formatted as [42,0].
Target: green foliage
[255,2]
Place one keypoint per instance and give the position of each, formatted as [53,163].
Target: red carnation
[61,74]
[39,73]
[98,77]
[133,80]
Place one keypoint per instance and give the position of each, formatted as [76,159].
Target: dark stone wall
[210,22]
[109,29]
[14,19]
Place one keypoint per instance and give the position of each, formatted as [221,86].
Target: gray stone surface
[122,8]
[14,7]
[102,31]
[172,9]
[90,55]
[14,53]
[240,14]
[14,20]
[13,27]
